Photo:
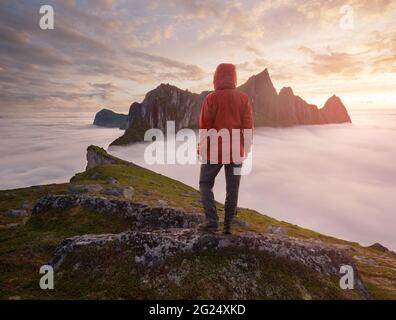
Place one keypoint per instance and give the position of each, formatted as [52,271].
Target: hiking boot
[210,227]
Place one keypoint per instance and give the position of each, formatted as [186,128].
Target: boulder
[162,203]
[273,229]
[113,181]
[125,192]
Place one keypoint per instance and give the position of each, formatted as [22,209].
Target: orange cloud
[338,63]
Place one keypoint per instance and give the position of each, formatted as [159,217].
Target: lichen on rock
[151,247]
[138,214]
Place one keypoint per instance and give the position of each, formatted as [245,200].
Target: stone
[243,223]
[128,192]
[17,213]
[94,188]
[125,192]
[150,247]
[97,156]
[138,214]
[113,181]
[84,188]
[188,194]
[162,203]
[76,188]
[26,205]
[274,229]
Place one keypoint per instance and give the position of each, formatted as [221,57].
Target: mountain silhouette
[271,109]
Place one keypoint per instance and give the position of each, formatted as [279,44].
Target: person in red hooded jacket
[228,112]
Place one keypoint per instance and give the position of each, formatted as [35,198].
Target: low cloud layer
[48,147]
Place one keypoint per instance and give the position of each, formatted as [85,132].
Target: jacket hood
[225,77]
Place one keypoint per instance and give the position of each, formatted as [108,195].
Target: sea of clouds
[46,147]
[336,179]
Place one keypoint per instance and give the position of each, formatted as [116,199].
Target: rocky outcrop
[334,111]
[139,215]
[160,105]
[155,246]
[168,102]
[124,192]
[379,247]
[113,190]
[97,156]
[263,96]
[16,213]
[109,119]
[84,188]
[292,110]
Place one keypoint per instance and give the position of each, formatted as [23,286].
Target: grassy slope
[28,243]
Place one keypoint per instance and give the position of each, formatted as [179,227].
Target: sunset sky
[109,53]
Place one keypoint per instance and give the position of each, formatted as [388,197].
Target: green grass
[15,199]
[149,186]
[25,248]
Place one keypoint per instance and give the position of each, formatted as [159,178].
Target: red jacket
[226,108]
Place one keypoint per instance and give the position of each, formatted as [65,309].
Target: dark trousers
[206,182]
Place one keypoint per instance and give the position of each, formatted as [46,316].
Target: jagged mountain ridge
[168,102]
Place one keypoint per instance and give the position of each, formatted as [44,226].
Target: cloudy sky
[109,53]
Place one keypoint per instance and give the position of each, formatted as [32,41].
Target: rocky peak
[263,77]
[258,83]
[286,92]
[264,73]
[165,89]
[333,100]
[334,111]
[97,156]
